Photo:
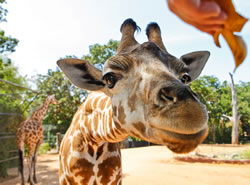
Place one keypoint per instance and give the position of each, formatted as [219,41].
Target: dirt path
[155,166]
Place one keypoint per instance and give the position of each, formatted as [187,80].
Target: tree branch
[17,85]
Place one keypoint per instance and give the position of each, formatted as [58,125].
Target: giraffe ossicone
[142,92]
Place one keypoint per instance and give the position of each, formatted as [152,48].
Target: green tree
[217,98]
[69,97]
[3,11]
[243,95]
[10,96]
[98,54]
[7,43]
[11,99]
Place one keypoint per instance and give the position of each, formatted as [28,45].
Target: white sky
[51,29]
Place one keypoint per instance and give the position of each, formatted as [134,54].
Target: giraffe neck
[96,120]
[91,146]
[41,112]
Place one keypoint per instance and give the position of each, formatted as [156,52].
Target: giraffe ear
[82,74]
[195,62]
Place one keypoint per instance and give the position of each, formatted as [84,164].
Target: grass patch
[245,154]
[44,148]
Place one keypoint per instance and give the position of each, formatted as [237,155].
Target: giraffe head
[148,89]
[51,99]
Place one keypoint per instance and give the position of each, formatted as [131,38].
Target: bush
[44,148]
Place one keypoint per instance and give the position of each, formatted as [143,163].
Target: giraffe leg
[20,152]
[30,166]
[34,158]
[30,163]
[34,168]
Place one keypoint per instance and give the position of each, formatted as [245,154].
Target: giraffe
[142,92]
[30,132]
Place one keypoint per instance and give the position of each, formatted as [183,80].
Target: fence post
[58,141]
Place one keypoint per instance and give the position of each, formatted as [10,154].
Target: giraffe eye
[185,78]
[110,80]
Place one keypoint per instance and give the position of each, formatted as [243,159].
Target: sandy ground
[155,165]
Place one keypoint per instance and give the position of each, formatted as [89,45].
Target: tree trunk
[214,133]
[235,119]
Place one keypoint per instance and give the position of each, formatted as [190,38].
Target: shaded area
[47,172]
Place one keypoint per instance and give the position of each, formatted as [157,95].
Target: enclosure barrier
[8,152]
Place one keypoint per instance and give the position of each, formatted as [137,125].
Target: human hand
[206,16]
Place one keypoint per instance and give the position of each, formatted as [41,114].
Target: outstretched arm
[206,16]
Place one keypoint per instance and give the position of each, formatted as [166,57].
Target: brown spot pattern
[140,127]
[63,182]
[82,168]
[135,135]
[118,177]
[133,95]
[107,168]
[99,152]
[121,114]
[90,150]
[114,112]
[112,147]
[77,144]
[117,125]
[71,180]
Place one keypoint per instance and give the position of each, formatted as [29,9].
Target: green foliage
[68,96]
[7,43]
[243,95]
[130,138]
[217,98]
[3,11]
[7,143]
[98,54]
[44,148]
[245,154]
[212,94]
[12,99]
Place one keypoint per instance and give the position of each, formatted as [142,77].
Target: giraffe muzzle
[181,143]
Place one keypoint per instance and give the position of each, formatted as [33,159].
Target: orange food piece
[234,23]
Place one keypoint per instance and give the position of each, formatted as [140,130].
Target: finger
[221,19]
[209,9]
[208,28]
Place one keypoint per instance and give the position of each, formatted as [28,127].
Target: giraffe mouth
[182,143]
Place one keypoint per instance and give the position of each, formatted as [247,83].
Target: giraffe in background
[30,132]
[141,92]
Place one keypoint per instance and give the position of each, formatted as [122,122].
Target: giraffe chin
[182,143]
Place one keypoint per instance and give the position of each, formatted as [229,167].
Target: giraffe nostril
[166,95]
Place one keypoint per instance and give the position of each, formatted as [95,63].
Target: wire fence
[10,116]
[8,152]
